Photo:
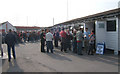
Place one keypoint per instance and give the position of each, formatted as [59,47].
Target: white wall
[110,38]
[100,32]
[0,27]
[3,26]
[9,26]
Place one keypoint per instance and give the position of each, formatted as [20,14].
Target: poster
[100,49]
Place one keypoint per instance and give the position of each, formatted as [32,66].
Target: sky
[41,12]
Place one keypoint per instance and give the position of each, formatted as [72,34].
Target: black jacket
[10,39]
[42,35]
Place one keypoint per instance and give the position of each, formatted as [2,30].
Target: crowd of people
[13,38]
[23,37]
[68,40]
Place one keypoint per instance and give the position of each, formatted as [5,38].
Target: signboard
[100,48]
[101,25]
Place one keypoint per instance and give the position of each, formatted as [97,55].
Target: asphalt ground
[30,59]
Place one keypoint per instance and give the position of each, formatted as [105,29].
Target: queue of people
[70,41]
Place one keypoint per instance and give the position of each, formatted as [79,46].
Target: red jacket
[63,34]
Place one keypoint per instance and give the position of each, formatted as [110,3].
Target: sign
[100,49]
[101,25]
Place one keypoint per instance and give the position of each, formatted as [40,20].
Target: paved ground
[30,59]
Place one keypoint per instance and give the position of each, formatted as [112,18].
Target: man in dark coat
[10,40]
[42,35]
[56,38]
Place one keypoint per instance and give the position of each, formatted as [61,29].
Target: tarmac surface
[30,59]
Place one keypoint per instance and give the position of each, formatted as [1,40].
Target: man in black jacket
[42,35]
[10,40]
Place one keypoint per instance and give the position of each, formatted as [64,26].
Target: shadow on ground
[58,56]
[11,66]
[108,57]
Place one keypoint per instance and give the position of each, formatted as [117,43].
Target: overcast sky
[41,12]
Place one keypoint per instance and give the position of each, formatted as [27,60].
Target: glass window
[111,25]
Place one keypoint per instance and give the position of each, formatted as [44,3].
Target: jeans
[24,39]
[91,48]
[56,42]
[74,46]
[9,52]
[68,45]
[79,48]
[49,46]
[42,46]
[86,43]
[63,46]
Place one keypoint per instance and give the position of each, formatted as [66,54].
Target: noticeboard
[100,48]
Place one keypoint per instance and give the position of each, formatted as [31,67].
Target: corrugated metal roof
[114,12]
[24,27]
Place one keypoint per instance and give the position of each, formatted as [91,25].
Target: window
[101,25]
[111,25]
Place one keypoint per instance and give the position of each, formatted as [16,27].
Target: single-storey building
[105,24]
[27,28]
[5,26]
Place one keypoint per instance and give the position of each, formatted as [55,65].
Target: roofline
[3,23]
[27,27]
[117,11]
[7,22]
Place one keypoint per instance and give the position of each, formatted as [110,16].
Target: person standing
[86,39]
[74,42]
[24,37]
[49,39]
[10,40]
[1,44]
[69,38]
[21,37]
[56,38]
[91,43]
[79,37]
[63,40]
[42,37]
[28,34]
